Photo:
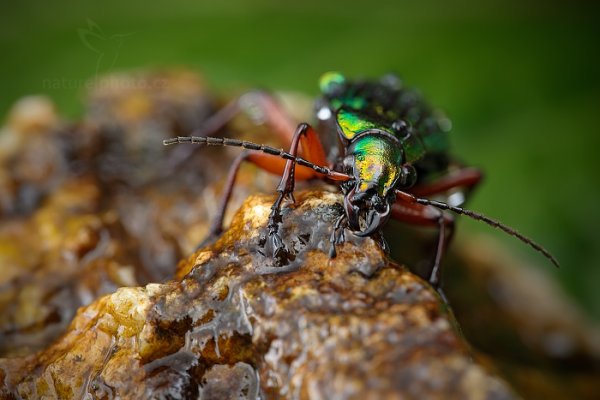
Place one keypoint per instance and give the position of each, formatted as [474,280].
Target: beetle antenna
[219,141]
[491,222]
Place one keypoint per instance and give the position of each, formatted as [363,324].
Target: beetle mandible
[392,159]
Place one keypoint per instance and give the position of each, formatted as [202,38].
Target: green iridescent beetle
[392,158]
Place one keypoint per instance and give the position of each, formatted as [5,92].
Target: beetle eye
[400,127]
[348,164]
[332,83]
[408,176]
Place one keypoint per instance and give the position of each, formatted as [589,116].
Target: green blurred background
[519,80]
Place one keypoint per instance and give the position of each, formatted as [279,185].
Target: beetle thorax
[375,162]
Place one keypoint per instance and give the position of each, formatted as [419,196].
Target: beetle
[392,161]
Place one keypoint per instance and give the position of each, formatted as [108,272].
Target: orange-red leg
[304,136]
[283,126]
[275,117]
[467,178]
[269,163]
[286,189]
[406,210]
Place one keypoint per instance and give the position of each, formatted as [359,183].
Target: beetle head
[366,211]
[375,162]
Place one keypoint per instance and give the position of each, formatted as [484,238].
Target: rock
[99,207]
[85,210]
[513,312]
[31,161]
[33,114]
[235,325]
[66,255]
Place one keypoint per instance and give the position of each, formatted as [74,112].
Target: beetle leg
[216,228]
[405,209]
[276,118]
[269,163]
[274,115]
[338,235]
[283,126]
[289,171]
[266,105]
[408,211]
[285,189]
[466,177]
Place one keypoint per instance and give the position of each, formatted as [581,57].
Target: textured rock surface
[235,326]
[539,339]
[87,208]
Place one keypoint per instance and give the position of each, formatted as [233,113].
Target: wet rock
[31,164]
[129,114]
[85,210]
[234,324]
[33,114]
[99,207]
[64,256]
[518,316]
